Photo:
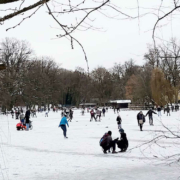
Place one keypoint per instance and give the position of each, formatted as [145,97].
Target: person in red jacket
[92,115]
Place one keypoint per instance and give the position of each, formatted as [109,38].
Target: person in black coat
[103,111]
[70,115]
[150,114]
[168,111]
[176,108]
[119,120]
[12,113]
[140,119]
[172,108]
[123,142]
[17,114]
[159,110]
[27,116]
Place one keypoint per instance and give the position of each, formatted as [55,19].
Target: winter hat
[121,130]
[109,132]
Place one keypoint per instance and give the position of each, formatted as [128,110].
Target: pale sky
[120,40]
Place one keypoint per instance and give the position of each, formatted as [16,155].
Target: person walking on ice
[70,115]
[63,124]
[27,117]
[119,120]
[98,115]
[46,113]
[140,119]
[12,113]
[159,110]
[103,111]
[150,113]
[168,111]
[92,115]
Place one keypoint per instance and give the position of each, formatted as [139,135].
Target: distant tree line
[29,80]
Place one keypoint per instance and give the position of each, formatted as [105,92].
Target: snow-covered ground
[43,153]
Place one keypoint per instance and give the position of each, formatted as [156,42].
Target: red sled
[20,126]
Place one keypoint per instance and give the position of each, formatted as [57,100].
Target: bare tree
[14,54]
[102,84]
[167,58]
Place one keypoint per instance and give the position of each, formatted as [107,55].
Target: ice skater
[106,109]
[63,124]
[103,111]
[46,113]
[92,115]
[159,110]
[70,115]
[12,114]
[98,114]
[82,112]
[168,111]
[119,120]
[114,110]
[150,114]
[27,116]
[165,109]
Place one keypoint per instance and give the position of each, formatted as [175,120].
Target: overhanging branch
[23,10]
[7,1]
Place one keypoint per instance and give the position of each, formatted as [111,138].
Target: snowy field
[44,154]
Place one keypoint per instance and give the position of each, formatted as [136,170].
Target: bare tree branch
[7,1]
[25,18]
[23,10]
[69,34]
[159,19]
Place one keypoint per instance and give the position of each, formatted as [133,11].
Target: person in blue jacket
[63,124]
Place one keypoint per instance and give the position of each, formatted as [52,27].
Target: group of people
[107,143]
[17,113]
[167,109]
[141,117]
[96,113]
[68,113]
[116,109]
[25,119]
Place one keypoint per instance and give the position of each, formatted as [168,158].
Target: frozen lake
[44,154]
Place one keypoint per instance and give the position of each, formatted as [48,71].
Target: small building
[120,103]
[88,104]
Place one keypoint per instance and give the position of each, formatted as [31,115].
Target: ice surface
[43,153]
